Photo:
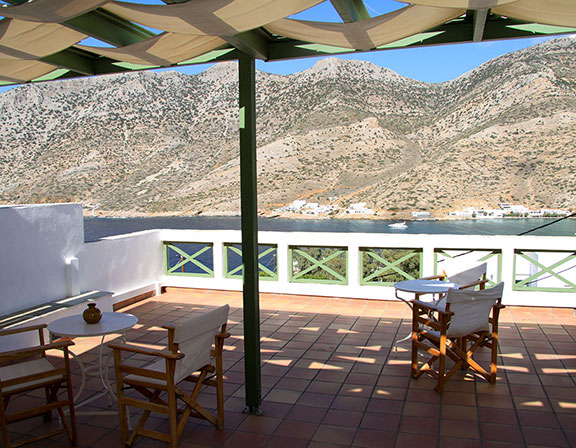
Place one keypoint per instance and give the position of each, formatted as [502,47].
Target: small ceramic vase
[92,315]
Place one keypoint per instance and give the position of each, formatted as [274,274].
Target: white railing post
[427,260]
[72,277]
[508,269]
[218,249]
[282,263]
[353,265]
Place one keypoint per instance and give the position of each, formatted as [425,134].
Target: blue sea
[95,228]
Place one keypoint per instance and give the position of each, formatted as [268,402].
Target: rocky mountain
[167,143]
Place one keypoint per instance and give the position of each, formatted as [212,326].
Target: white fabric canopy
[57,11]
[164,49]
[548,12]
[22,39]
[210,17]
[41,29]
[15,70]
[369,33]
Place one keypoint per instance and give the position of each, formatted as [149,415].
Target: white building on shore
[359,208]
[506,210]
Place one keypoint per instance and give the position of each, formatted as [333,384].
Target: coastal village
[360,209]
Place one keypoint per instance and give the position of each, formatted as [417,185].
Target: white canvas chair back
[195,337]
[471,309]
[469,276]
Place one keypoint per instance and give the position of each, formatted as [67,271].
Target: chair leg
[220,392]
[47,416]
[122,414]
[441,364]
[70,394]
[3,426]
[173,419]
[415,327]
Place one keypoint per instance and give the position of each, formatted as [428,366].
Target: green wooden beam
[73,59]
[108,27]
[252,43]
[480,17]
[249,208]
[350,10]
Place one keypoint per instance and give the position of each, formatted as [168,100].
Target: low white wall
[353,241]
[35,241]
[127,265]
[43,258]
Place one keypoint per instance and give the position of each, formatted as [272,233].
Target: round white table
[75,327]
[422,286]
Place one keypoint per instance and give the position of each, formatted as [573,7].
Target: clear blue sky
[428,64]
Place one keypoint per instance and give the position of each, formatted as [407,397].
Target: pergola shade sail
[22,39]
[368,33]
[210,17]
[549,12]
[41,38]
[165,49]
[50,11]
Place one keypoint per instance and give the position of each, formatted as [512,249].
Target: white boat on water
[398,225]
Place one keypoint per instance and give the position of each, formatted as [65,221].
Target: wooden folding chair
[27,369]
[466,321]
[188,357]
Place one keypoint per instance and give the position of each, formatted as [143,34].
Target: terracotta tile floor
[330,379]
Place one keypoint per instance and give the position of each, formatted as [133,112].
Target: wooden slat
[141,371]
[17,416]
[155,435]
[145,405]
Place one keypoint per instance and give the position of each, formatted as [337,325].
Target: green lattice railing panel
[267,261]
[194,259]
[452,261]
[386,266]
[315,264]
[553,271]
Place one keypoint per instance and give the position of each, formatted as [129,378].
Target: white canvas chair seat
[456,329]
[27,369]
[188,357]
[30,374]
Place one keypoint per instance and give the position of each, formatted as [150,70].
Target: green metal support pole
[249,206]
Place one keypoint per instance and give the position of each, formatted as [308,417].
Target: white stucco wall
[126,265]
[35,241]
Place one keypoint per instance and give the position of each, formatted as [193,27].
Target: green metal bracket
[386,266]
[265,272]
[315,268]
[177,259]
[544,272]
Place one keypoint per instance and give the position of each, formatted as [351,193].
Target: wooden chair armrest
[167,354]
[430,307]
[29,351]
[223,335]
[434,277]
[473,284]
[22,329]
